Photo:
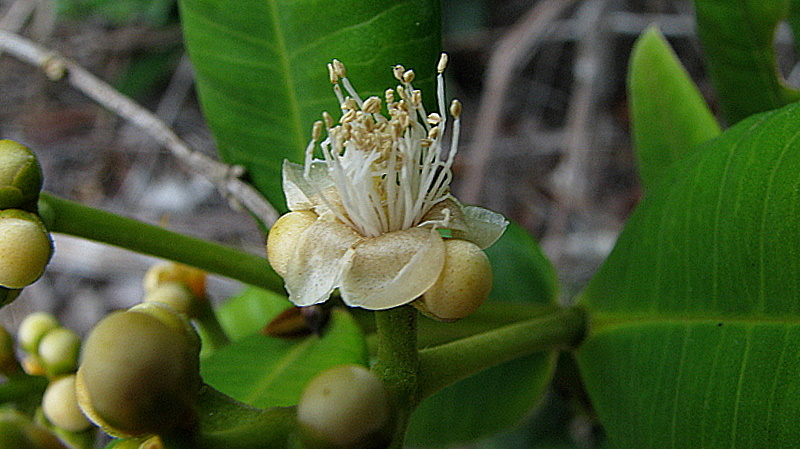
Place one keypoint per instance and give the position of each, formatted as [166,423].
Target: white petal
[323,253]
[393,269]
[300,192]
[485,226]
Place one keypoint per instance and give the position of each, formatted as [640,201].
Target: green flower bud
[138,375]
[283,237]
[60,405]
[19,432]
[175,295]
[20,177]
[25,248]
[168,272]
[33,328]
[463,285]
[58,351]
[345,407]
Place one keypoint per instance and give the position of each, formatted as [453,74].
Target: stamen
[442,63]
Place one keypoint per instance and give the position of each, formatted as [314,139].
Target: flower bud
[175,295]
[20,177]
[33,328]
[19,432]
[60,405]
[140,375]
[58,352]
[345,407]
[25,248]
[169,272]
[463,285]
[283,237]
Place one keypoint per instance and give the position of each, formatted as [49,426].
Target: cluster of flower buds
[25,244]
[52,350]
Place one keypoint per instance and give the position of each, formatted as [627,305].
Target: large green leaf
[500,397]
[266,372]
[695,323]
[262,76]
[737,38]
[669,116]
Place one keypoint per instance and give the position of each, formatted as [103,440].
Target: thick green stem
[444,365]
[211,327]
[72,218]
[398,362]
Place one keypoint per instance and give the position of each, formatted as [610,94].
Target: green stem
[444,365]
[211,327]
[398,363]
[75,219]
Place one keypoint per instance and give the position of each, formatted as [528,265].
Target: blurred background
[545,139]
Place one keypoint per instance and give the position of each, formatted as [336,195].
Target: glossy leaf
[737,40]
[695,319]
[669,116]
[500,397]
[262,76]
[248,312]
[265,372]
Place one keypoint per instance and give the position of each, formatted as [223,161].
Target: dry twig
[223,176]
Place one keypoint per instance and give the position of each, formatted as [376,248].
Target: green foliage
[669,116]
[497,398]
[695,320]
[261,68]
[265,371]
[737,38]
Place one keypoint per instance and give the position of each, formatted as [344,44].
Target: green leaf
[695,320]
[500,397]
[737,40]
[670,118]
[249,312]
[264,372]
[262,76]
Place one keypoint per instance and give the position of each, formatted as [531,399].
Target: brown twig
[503,64]
[225,177]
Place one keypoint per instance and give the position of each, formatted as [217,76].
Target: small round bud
[175,295]
[283,238]
[25,248]
[58,351]
[60,405]
[139,376]
[193,278]
[345,407]
[20,176]
[463,285]
[33,328]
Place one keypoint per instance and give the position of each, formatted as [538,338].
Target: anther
[442,63]
[328,119]
[398,72]
[316,132]
[332,74]
[434,118]
[372,105]
[408,76]
[339,69]
[455,108]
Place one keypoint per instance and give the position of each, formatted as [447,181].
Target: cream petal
[393,269]
[472,223]
[485,226]
[301,193]
[323,253]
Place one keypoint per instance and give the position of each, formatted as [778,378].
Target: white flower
[366,218]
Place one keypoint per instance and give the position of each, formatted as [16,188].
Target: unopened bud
[463,285]
[139,375]
[20,177]
[58,351]
[18,432]
[345,407]
[60,405]
[33,328]
[25,248]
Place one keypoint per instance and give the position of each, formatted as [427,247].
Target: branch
[223,176]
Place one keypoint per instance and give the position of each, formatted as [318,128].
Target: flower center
[388,170]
